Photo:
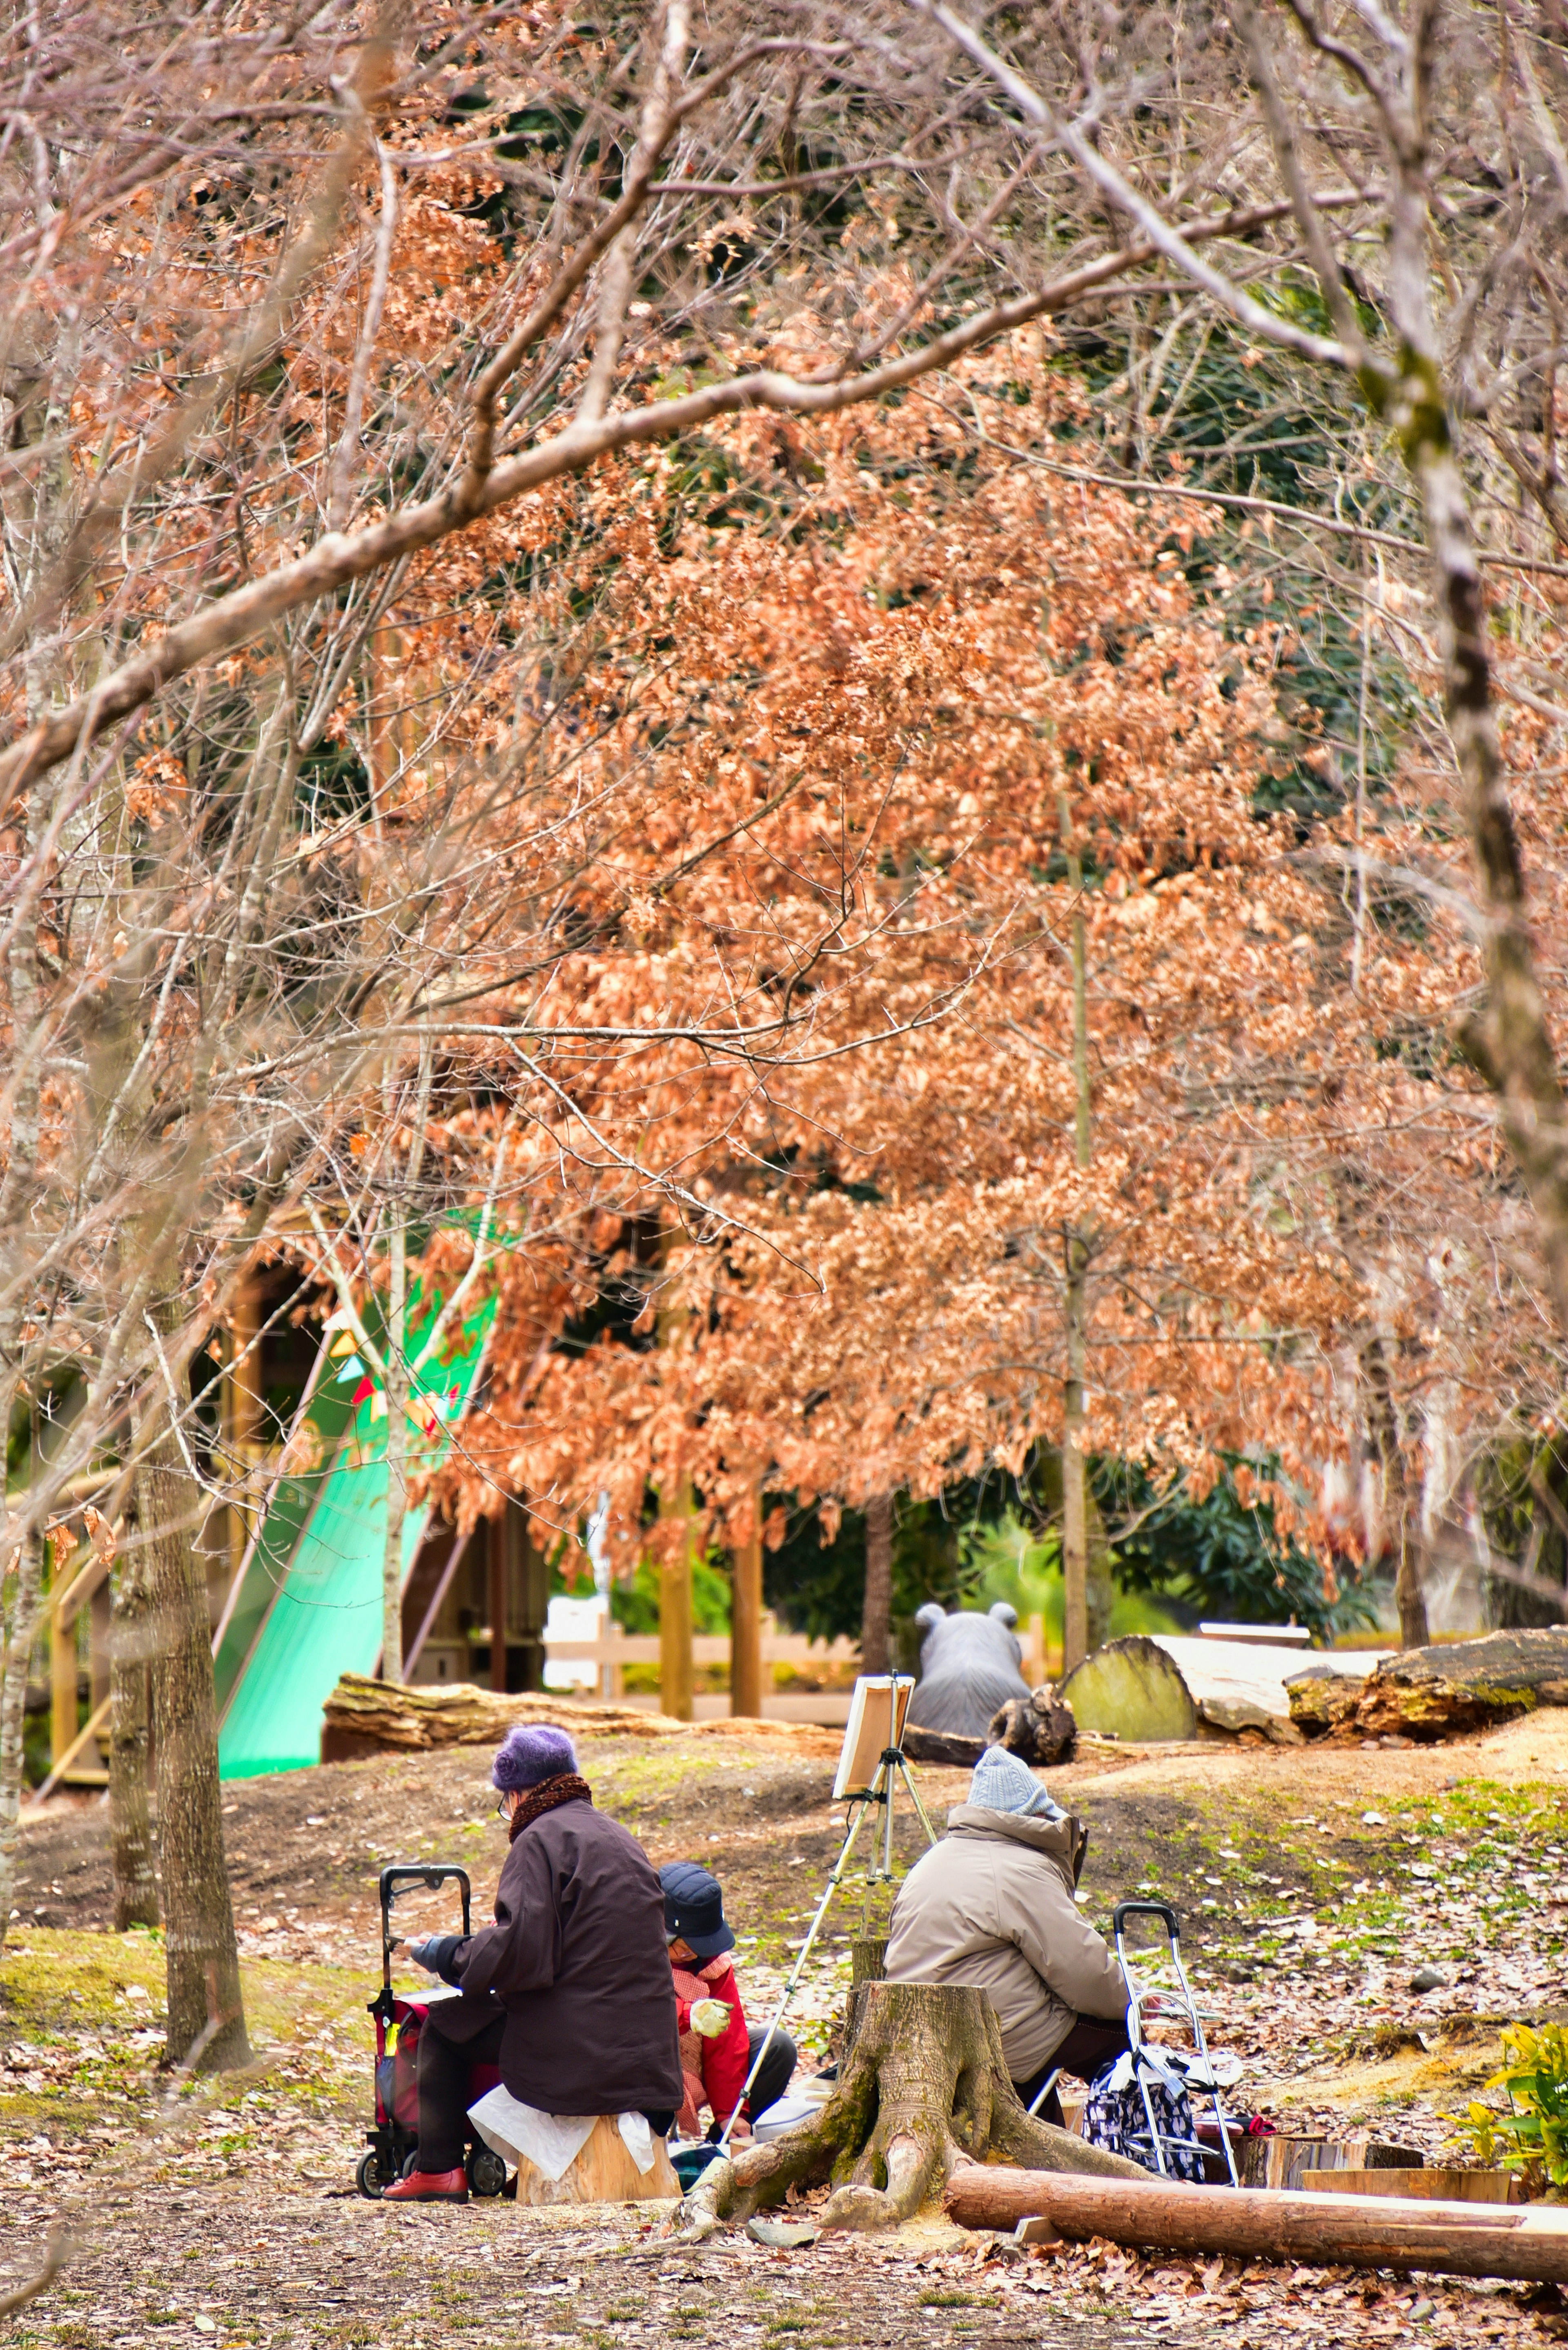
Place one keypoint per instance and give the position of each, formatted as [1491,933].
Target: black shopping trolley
[1193,2069]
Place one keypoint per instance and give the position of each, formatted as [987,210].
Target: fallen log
[944,1747]
[363,1717]
[1322,1701]
[1464,1685]
[1263,2223]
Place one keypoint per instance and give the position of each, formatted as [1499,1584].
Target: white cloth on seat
[551,2142]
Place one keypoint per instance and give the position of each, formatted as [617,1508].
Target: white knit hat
[1002,1783]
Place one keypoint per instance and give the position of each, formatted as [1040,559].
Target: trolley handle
[403,1876]
[400,1878]
[1161,1909]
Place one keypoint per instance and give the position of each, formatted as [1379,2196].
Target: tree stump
[604,2172]
[922,2088]
[1130,1688]
[1038,1729]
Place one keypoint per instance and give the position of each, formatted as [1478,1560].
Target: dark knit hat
[694,1908]
[528,1755]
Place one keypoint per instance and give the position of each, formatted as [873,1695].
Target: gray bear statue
[968,1667]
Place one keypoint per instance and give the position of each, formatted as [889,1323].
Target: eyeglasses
[501,1807]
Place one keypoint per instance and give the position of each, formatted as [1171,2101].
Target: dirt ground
[1311,1885]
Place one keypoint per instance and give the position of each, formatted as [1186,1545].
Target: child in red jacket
[718,2047]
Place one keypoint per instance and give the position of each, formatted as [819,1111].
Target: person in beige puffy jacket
[992,1905]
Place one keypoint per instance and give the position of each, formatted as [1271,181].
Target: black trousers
[1094,2040]
[777,2072]
[441,2072]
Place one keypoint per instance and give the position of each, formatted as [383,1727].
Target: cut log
[1464,1685]
[1241,1685]
[1256,2223]
[1282,2161]
[1039,1728]
[1432,2186]
[940,1746]
[922,2088]
[604,2172]
[1130,1688]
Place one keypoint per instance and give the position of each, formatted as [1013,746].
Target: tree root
[923,2088]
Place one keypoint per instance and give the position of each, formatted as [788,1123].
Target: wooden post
[1034,1657]
[746,1619]
[99,1664]
[495,1549]
[62,1670]
[241,1414]
[528,1589]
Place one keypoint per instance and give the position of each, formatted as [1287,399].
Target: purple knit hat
[528,1755]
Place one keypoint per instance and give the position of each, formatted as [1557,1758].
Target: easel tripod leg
[829,1889]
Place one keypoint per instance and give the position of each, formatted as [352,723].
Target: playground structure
[298,1598]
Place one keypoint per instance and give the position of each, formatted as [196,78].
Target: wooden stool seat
[604,2172]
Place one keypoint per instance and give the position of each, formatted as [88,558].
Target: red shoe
[429,2186]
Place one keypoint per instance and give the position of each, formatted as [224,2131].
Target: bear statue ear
[1005,1614]
[931,1613]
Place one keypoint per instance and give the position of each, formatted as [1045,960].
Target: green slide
[309,1606]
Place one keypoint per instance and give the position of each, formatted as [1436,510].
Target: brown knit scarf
[544,1797]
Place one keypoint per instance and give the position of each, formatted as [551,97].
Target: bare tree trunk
[129,1730]
[496,1576]
[1074,1528]
[206,2011]
[746,1619]
[1099,1590]
[1078,1631]
[877,1620]
[395,1392]
[21,1626]
[1508,1039]
[1383,1427]
[922,2088]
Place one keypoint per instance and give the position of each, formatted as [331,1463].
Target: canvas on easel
[876,1724]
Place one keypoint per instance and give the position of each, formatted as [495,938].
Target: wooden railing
[616,1650]
[840,1659]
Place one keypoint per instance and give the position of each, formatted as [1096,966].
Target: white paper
[633,2128]
[551,2142]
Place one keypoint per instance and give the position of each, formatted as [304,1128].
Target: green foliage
[1007,1561]
[634,1604]
[1522,1485]
[819,1588]
[1248,422]
[1533,2133]
[1223,1556]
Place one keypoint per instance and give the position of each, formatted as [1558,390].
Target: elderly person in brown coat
[992,1905]
[569,1992]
